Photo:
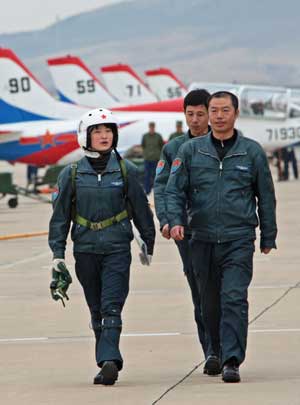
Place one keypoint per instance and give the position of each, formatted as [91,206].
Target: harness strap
[73,183]
[124,175]
[125,180]
[97,226]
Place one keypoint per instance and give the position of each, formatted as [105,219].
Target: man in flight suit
[178,132]
[152,143]
[224,177]
[195,110]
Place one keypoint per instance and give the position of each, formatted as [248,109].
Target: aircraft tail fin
[76,84]
[165,84]
[126,85]
[23,97]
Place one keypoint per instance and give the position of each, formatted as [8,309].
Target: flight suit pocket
[126,229]
[202,176]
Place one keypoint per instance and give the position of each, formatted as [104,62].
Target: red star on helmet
[103,116]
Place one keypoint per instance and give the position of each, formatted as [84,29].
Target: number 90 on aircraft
[19,85]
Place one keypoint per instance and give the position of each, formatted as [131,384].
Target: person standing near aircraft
[226,181]
[289,156]
[152,144]
[99,195]
[195,106]
[31,175]
[178,132]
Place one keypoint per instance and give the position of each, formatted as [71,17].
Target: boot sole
[109,374]
[231,379]
[212,367]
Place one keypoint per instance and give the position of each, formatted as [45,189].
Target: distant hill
[213,40]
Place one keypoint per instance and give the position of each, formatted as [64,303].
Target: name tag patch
[243,168]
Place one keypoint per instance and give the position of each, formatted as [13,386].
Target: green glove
[61,279]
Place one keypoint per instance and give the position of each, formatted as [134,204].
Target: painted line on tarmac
[16,340]
[259,315]
[151,334]
[154,262]
[179,289]
[82,338]
[23,261]
[23,235]
[274,330]
[159,334]
[271,287]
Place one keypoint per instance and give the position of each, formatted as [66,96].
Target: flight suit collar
[188,136]
[83,166]
[238,147]
[112,165]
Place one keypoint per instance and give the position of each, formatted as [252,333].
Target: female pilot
[99,195]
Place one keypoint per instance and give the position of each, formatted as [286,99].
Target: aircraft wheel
[12,202]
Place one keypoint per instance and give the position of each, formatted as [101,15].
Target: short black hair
[196,97]
[222,94]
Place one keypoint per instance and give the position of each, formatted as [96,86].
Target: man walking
[225,179]
[178,132]
[152,144]
[196,114]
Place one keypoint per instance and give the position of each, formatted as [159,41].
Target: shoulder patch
[55,194]
[176,165]
[160,167]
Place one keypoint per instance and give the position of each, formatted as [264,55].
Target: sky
[27,15]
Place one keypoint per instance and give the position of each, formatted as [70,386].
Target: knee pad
[111,322]
[96,323]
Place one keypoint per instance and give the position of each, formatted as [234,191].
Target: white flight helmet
[97,116]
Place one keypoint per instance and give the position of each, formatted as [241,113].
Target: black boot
[230,372]
[108,374]
[212,366]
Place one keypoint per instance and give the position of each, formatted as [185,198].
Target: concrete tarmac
[47,351]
